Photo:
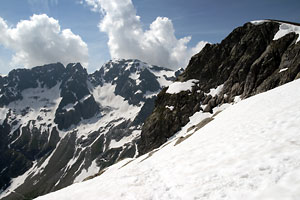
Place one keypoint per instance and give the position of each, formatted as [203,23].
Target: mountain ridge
[60,124]
[250,60]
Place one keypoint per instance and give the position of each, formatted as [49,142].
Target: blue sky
[203,20]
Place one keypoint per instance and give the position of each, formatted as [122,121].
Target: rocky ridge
[254,58]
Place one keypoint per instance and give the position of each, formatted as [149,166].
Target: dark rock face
[247,62]
[75,93]
[18,80]
[58,123]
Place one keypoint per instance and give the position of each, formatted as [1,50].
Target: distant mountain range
[60,125]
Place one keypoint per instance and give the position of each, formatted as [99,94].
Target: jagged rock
[207,99]
[20,79]
[208,108]
[246,62]
[298,76]
[76,96]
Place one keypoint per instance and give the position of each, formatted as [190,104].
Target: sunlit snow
[259,22]
[178,87]
[249,151]
[285,29]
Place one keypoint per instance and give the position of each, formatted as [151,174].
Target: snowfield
[250,151]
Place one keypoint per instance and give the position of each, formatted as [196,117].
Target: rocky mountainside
[254,58]
[248,151]
[59,124]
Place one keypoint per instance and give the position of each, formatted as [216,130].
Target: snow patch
[237,99]
[135,76]
[258,22]
[178,87]
[285,29]
[216,91]
[3,112]
[150,94]
[125,140]
[106,97]
[170,107]
[284,69]
[163,76]
[69,107]
[85,98]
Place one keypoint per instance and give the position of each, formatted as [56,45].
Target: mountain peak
[75,68]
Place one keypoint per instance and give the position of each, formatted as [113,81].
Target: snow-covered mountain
[196,145]
[248,151]
[60,124]
[192,143]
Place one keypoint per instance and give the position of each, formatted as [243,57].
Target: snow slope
[249,151]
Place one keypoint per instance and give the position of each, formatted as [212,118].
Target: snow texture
[285,29]
[178,87]
[259,22]
[249,151]
[37,104]
[171,108]
[215,91]
[125,140]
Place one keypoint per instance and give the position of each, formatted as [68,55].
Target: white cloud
[157,45]
[40,40]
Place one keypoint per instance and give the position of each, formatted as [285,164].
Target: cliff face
[252,59]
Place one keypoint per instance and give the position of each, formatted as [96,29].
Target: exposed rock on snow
[245,63]
[59,125]
[249,151]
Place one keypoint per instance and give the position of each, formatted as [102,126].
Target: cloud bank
[40,40]
[157,45]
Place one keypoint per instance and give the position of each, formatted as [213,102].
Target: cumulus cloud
[127,39]
[40,40]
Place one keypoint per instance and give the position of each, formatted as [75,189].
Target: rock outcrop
[247,62]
